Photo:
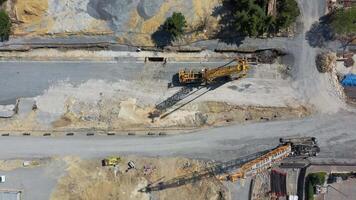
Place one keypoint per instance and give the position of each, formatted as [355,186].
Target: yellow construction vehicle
[208,76]
[111,161]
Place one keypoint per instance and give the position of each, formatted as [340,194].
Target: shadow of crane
[183,93]
[216,169]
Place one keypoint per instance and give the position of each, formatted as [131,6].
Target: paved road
[30,79]
[336,133]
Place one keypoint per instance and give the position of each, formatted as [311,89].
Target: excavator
[207,76]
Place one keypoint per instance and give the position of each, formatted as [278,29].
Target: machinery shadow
[185,92]
[210,172]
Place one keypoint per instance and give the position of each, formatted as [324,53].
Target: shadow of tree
[320,33]
[162,38]
[226,33]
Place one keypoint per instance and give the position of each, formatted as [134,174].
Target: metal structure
[208,76]
[259,164]
[239,168]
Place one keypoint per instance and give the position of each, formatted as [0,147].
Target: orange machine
[259,164]
[207,76]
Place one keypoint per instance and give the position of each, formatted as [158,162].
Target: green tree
[170,30]
[5,25]
[313,180]
[288,12]
[175,25]
[317,178]
[249,17]
[343,21]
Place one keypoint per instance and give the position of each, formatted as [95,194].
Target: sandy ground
[81,96]
[113,17]
[87,179]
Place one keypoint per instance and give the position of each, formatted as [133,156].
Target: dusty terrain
[82,100]
[131,22]
[87,179]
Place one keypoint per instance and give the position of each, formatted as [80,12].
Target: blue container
[349,80]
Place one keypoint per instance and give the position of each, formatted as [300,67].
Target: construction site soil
[83,97]
[130,22]
[87,179]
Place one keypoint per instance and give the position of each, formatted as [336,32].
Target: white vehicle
[2,179]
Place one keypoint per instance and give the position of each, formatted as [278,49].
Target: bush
[5,26]
[172,29]
[343,21]
[2,1]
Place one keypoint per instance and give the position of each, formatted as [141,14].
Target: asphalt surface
[334,126]
[30,79]
[336,135]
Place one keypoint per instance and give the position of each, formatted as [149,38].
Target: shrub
[5,25]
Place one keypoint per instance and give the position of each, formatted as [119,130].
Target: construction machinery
[289,147]
[243,167]
[208,76]
[111,161]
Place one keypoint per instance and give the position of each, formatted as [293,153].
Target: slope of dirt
[87,179]
[130,21]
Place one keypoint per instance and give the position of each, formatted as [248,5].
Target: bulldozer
[111,161]
[207,76]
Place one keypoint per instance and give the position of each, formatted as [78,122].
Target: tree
[317,178]
[175,25]
[249,17]
[288,12]
[171,29]
[5,25]
[343,21]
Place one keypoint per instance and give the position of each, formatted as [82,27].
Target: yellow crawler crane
[208,76]
[259,164]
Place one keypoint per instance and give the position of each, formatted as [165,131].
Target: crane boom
[208,76]
[259,164]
